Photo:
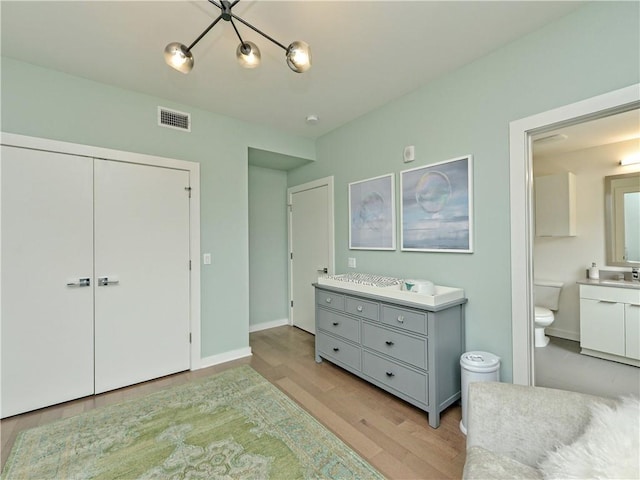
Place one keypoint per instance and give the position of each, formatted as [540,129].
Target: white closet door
[47,242]
[142,247]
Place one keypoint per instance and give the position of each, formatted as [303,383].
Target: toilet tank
[546,293]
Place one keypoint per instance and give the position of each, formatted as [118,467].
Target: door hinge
[292,303]
[188,189]
[189,337]
[189,265]
[291,255]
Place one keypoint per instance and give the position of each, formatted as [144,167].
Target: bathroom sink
[621,283]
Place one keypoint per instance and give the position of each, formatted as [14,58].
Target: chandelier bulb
[299,56]
[178,57]
[248,55]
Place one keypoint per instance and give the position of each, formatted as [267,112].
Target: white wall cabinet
[95,276]
[555,202]
[610,323]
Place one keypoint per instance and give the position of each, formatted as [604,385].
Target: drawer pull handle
[389,342]
[335,324]
[359,308]
[328,299]
[336,349]
[400,319]
[390,374]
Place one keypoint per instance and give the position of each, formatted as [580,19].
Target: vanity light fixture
[631,159]
[179,56]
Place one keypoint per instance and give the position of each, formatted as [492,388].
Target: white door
[311,237]
[142,249]
[47,244]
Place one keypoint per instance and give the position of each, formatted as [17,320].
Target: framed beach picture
[436,207]
[372,214]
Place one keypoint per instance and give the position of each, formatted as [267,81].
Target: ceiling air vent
[174,119]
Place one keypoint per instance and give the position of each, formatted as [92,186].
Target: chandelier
[179,56]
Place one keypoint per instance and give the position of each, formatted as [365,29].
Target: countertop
[610,282]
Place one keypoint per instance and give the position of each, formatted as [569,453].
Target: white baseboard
[225,357]
[267,325]
[566,334]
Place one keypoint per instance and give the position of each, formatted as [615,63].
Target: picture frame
[437,207]
[372,214]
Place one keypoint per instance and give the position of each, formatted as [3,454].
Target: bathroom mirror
[622,217]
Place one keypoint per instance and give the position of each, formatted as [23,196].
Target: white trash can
[476,367]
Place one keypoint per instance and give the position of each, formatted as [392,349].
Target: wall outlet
[351,262]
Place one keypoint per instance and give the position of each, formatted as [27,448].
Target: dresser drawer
[400,378]
[362,308]
[411,320]
[409,349]
[337,324]
[330,299]
[336,349]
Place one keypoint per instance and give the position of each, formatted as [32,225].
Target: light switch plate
[206,259]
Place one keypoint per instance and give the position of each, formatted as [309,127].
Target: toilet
[546,295]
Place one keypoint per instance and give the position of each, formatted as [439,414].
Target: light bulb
[248,55]
[177,56]
[299,56]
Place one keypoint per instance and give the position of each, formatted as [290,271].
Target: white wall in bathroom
[566,259]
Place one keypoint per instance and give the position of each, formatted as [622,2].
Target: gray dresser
[408,349]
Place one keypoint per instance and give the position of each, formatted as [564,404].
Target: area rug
[234,425]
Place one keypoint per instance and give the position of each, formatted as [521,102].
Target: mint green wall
[592,51]
[45,103]
[268,275]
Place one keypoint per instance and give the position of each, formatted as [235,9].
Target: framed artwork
[372,214]
[436,207]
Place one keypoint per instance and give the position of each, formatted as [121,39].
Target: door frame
[328,182]
[35,143]
[521,195]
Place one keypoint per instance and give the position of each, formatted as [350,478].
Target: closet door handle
[104,281]
[389,342]
[81,282]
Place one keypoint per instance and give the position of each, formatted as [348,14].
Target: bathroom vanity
[610,320]
[405,343]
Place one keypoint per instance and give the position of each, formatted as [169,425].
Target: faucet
[635,275]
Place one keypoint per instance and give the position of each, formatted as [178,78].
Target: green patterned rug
[234,425]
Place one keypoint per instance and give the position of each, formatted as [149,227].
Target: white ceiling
[365,53]
[621,129]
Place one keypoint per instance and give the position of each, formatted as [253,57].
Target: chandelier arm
[258,31]
[237,32]
[193,44]
[216,3]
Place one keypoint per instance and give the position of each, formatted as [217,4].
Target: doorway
[521,183]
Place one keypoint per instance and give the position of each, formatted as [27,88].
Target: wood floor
[390,434]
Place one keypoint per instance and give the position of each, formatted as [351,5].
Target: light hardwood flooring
[390,434]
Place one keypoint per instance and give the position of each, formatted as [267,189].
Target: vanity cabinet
[410,350]
[610,323]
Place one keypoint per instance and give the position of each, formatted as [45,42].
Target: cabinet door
[632,330]
[602,326]
[142,248]
[47,243]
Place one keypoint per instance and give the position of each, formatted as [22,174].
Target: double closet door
[95,276]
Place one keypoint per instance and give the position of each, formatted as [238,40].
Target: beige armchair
[511,428]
